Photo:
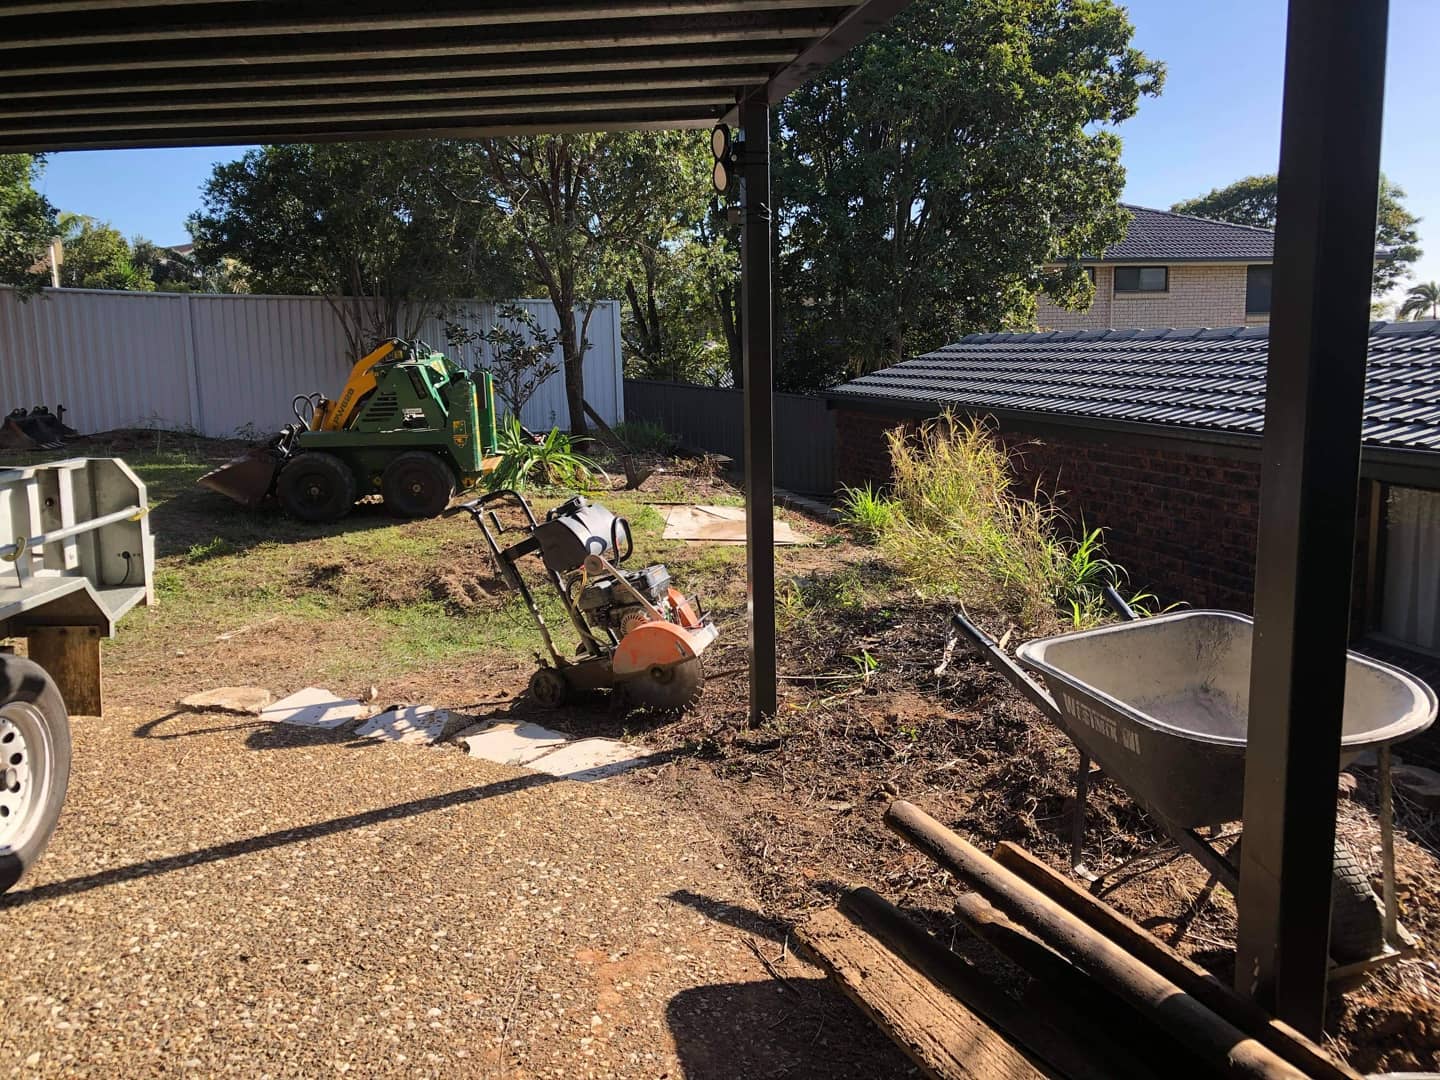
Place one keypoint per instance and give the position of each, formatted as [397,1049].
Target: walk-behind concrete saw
[639,636]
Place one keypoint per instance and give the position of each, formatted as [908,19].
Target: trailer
[76,554]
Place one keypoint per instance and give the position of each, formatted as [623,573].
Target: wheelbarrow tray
[1162,705]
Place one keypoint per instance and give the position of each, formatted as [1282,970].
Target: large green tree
[369,226]
[95,255]
[1252,201]
[924,180]
[27,223]
[586,209]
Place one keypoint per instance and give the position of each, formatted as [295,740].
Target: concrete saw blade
[672,686]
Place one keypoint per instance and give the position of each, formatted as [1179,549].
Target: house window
[1142,279]
[1090,273]
[1257,290]
[1410,597]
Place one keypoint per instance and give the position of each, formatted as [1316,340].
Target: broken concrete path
[247,700]
[422,724]
[314,707]
[553,752]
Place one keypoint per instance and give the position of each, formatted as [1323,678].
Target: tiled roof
[1212,380]
[1163,236]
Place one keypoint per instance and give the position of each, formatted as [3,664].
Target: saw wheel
[669,686]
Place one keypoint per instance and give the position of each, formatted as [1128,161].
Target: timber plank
[943,1037]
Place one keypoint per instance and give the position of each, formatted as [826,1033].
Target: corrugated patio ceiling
[80,74]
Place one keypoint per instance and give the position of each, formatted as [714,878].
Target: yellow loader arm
[336,415]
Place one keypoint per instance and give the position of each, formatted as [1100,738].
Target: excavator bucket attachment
[247,479]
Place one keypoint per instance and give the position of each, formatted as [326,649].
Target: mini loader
[409,424]
[639,636]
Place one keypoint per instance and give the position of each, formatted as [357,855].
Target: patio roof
[82,74]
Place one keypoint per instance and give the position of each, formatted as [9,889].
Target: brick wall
[1198,296]
[1183,523]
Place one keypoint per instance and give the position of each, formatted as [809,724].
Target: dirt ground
[222,858]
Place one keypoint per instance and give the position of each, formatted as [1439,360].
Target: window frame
[1139,272]
[1269,289]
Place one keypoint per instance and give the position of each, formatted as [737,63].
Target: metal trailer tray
[1162,703]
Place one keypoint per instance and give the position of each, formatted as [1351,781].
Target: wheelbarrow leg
[1387,845]
[1077,823]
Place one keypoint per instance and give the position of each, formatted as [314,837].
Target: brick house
[1174,270]
[1154,435]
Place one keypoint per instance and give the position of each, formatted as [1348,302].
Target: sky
[1218,120]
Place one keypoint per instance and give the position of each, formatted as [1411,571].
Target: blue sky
[1218,120]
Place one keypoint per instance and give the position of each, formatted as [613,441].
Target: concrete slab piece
[592,759]
[314,707]
[511,744]
[248,700]
[422,724]
[720,525]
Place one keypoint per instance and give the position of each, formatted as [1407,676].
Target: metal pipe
[1217,1045]
[1118,604]
[35,543]
[1185,973]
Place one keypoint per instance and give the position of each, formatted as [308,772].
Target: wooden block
[943,1037]
[71,656]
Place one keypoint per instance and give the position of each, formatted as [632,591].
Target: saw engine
[639,635]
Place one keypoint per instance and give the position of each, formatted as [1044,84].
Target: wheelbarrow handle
[1001,662]
[1117,604]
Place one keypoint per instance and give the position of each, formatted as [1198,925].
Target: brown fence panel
[709,419]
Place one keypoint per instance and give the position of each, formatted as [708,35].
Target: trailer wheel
[417,484]
[315,486]
[34,764]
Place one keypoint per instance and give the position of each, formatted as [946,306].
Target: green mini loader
[409,425]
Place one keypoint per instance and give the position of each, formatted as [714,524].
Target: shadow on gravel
[279,838]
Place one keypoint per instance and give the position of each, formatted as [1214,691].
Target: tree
[27,223]
[94,255]
[579,204]
[173,270]
[1252,201]
[923,180]
[366,225]
[521,352]
[1419,299]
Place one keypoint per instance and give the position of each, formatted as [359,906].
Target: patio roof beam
[573,65]
[440,93]
[1319,329]
[20,32]
[365,48]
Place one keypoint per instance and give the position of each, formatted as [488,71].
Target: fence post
[192,369]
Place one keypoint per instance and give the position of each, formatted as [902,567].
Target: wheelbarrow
[1161,704]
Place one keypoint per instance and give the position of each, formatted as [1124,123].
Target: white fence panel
[113,359]
[222,364]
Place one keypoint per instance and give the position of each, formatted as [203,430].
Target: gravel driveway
[224,897]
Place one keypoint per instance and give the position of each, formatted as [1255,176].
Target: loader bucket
[247,479]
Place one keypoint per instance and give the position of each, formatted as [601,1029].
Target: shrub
[551,462]
[957,528]
[644,437]
[867,512]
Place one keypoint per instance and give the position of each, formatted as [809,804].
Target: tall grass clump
[958,529]
[868,512]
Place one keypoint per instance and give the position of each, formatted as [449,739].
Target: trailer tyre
[315,486]
[417,484]
[34,764]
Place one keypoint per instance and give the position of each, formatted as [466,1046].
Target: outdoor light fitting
[722,148]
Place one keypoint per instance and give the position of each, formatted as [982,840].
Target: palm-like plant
[1420,299]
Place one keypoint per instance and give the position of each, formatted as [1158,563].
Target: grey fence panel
[711,419]
[226,364]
